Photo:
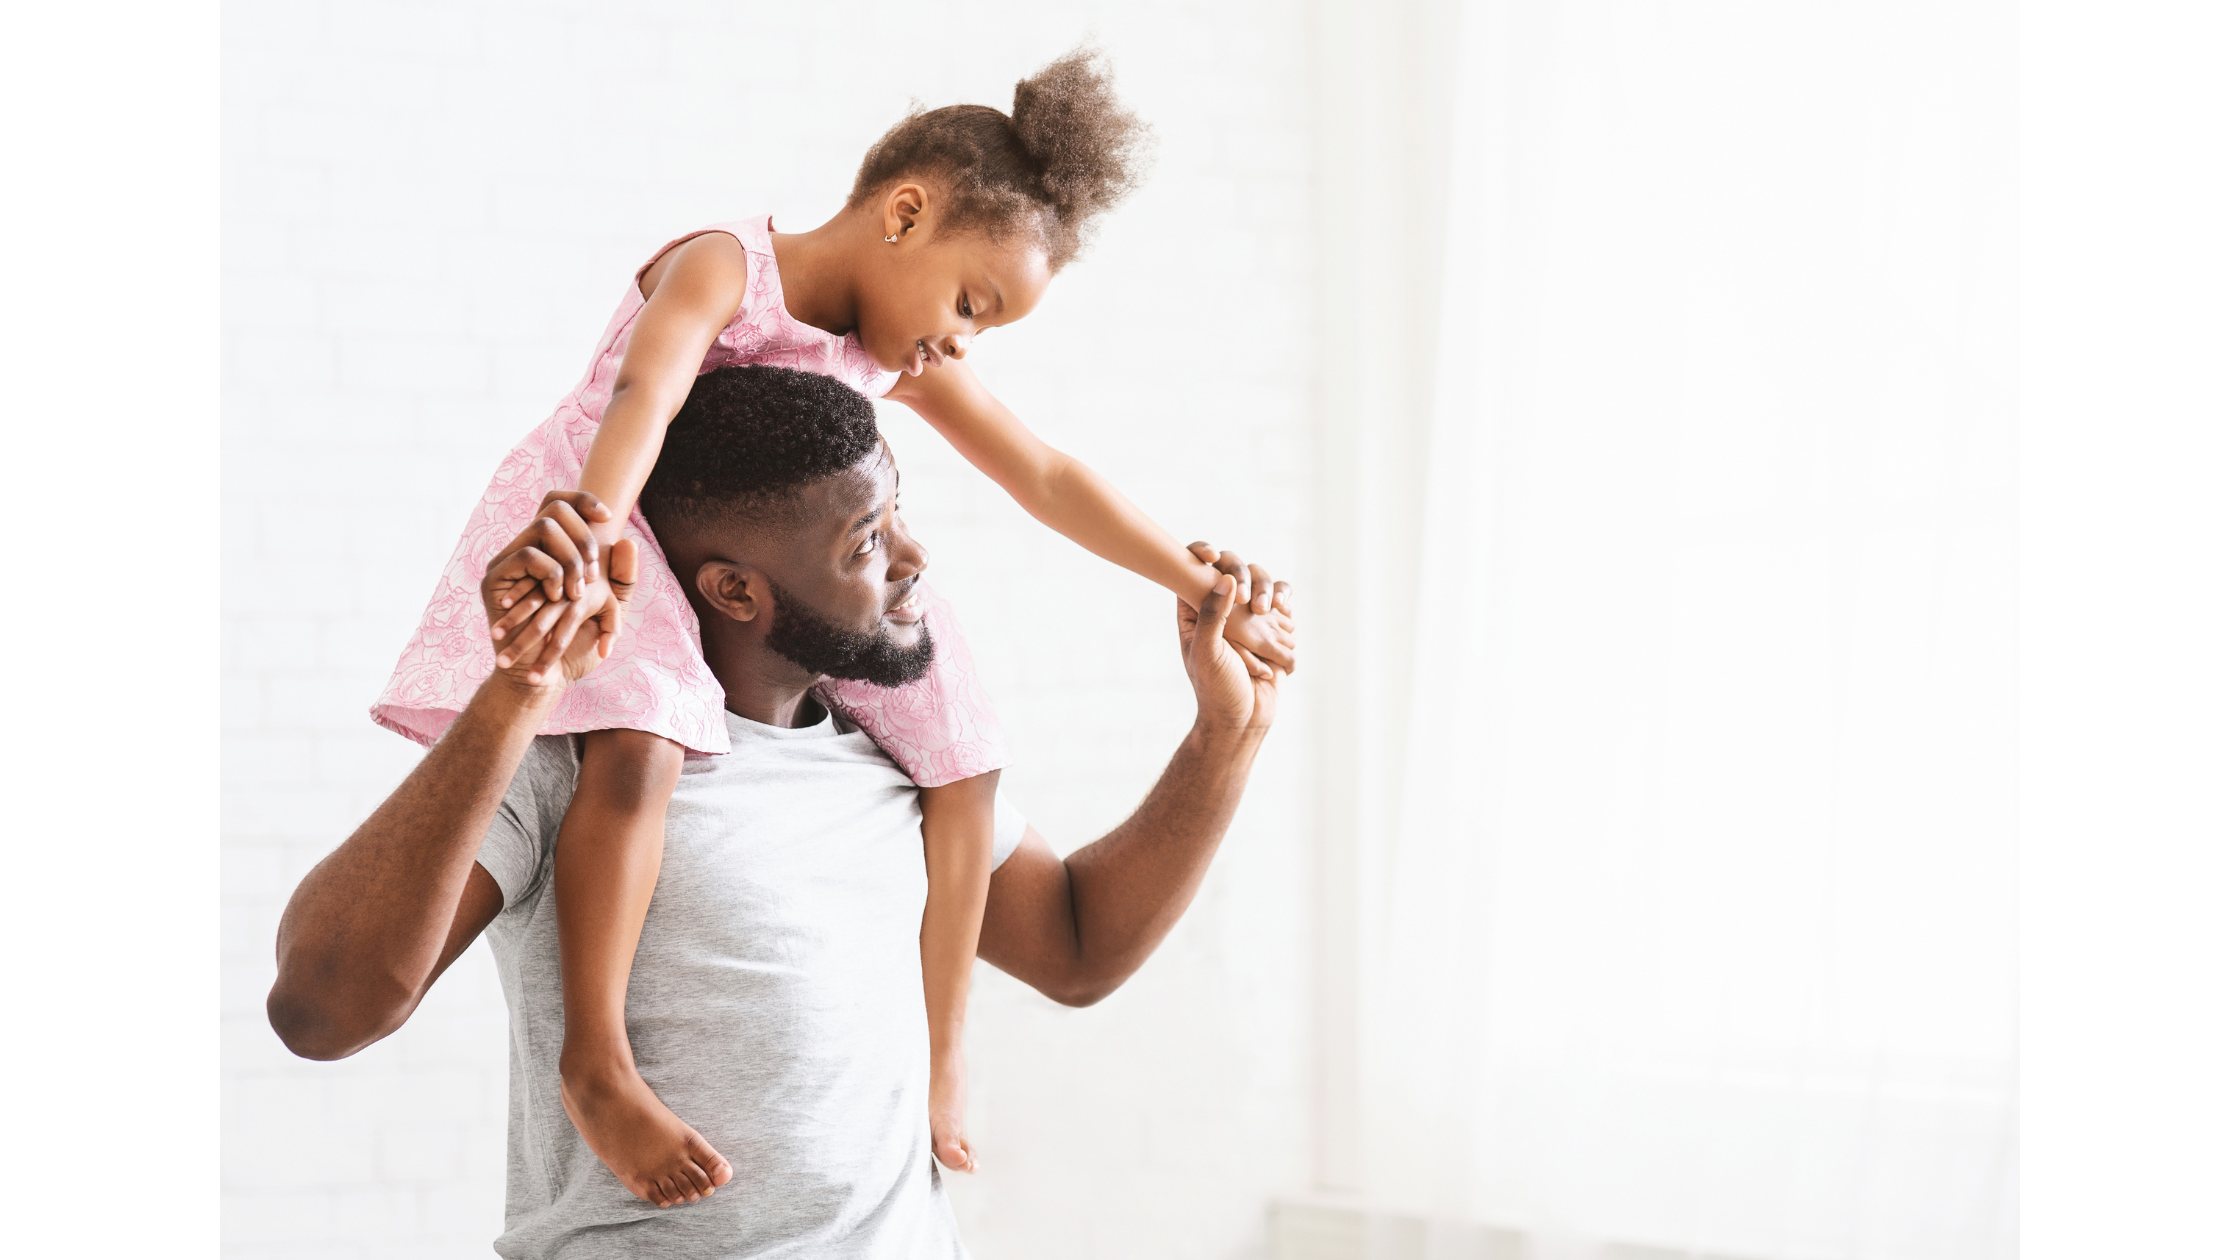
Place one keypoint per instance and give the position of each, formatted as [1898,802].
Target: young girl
[958,219]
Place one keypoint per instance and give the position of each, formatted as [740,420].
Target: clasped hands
[554,581]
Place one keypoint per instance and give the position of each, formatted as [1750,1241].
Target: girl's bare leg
[605,862]
[960,823]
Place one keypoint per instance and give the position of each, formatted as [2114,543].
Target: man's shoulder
[551,765]
[545,783]
[517,849]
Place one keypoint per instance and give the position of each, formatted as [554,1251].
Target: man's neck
[761,686]
[790,709]
[804,711]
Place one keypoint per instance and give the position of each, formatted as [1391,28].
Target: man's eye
[870,544]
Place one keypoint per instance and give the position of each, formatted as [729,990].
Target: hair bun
[1067,152]
[1088,148]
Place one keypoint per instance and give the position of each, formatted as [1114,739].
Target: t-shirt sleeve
[517,851]
[1011,828]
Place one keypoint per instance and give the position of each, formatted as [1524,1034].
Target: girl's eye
[870,544]
[964,306]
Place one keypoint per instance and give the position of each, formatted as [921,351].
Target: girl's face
[931,292]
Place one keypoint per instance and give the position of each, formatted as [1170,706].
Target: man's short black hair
[747,438]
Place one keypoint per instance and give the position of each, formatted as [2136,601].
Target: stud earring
[892,239]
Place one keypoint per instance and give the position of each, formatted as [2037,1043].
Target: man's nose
[905,558]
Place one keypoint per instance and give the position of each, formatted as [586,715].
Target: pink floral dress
[939,729]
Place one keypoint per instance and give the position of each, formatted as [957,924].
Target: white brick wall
[429,212]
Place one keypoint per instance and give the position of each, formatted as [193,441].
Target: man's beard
[819,646]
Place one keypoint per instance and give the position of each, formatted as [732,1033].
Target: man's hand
[1236,688]
[549,584]
[1260,622]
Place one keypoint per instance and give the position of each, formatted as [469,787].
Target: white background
[1687,913]
[2128,550]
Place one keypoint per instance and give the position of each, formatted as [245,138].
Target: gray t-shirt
[776,1005]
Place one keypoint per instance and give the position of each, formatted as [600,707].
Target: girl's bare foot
[656,1156]
[945,1103]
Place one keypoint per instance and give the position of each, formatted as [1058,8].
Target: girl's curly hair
[1067,152]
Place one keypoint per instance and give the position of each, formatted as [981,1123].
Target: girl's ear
[906,208]
[732,590]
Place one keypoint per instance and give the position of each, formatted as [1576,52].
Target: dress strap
[753,235]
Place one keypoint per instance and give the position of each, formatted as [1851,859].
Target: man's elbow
[316,1027]
[302,1026]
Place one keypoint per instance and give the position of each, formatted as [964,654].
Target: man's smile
[907,611]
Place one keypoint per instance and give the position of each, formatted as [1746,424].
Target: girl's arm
[691,292]
[1069,496]
[1054,487]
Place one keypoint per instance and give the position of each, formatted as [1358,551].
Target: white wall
[429,212]
[1679,862]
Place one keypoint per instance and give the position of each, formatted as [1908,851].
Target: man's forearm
[361,937]
[1131,887]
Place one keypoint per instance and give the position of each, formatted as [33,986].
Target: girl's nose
[955,346]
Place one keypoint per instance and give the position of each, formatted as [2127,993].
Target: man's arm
[1076,929]
[380,918]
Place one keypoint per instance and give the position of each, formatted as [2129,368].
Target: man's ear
[737,591]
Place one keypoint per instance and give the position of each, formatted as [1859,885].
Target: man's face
[844,581]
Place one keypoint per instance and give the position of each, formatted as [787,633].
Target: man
[776,1001]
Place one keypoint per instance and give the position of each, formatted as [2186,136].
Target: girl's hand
[570,510]
[1266,635]
[1260,616]
[547,585]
